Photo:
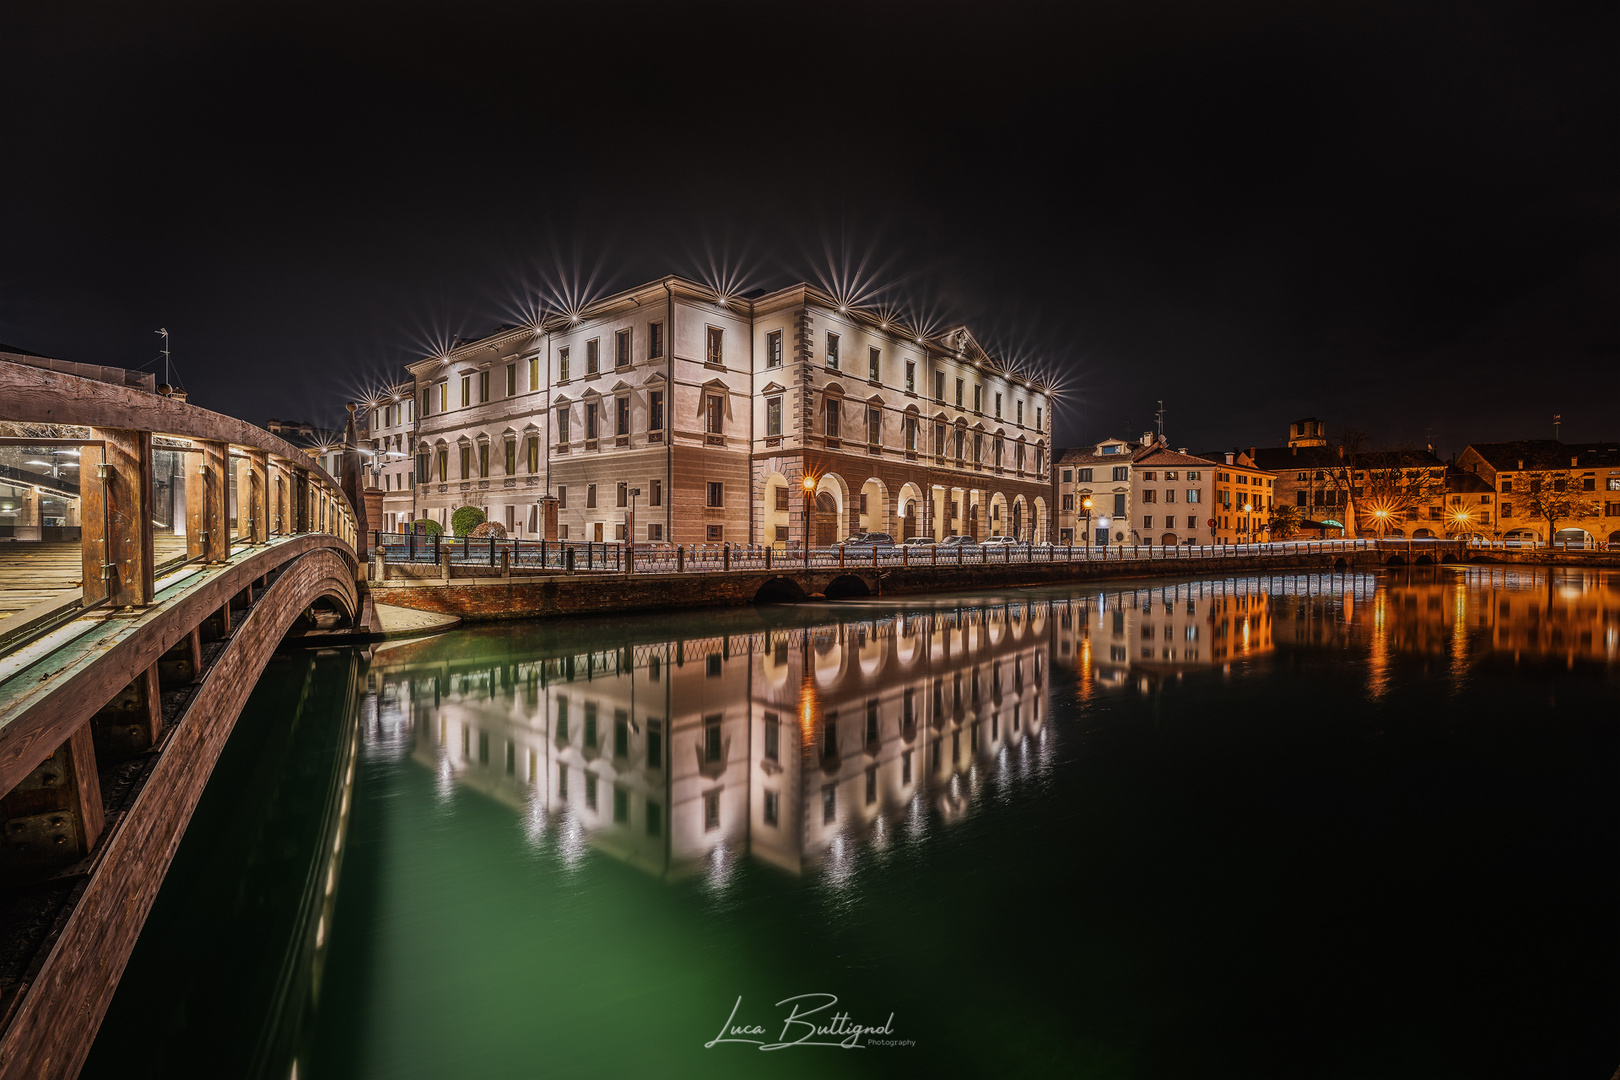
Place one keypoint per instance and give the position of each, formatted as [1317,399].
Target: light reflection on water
[811,747]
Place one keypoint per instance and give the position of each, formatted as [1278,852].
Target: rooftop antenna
[1558,418]
[165,335]
[1160,415]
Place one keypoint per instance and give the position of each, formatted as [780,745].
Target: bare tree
[1382,487]
[1553,495]
[1285,522]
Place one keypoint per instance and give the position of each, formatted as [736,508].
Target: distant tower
[1558,418]
[1307,432]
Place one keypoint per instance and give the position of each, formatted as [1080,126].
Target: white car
[1000,541]
[918,541]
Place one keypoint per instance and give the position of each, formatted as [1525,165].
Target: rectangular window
[534,373]
[1195,495]
[593,356]
[998,406]
[562,497]
[1122,472]
[655,495]
[832,351]
[624,493]
[911,433]
[591,410]
[711,811]
[911,376]
[773,349]
[621,349]
[832,418]
[590,791]
[511,380]
[466,391]
[772,803]
[1020,414]
[874,364]
[562,365]
[1169,495]
[939,386]
[716,493]
[1147,521]
[483,387]
[711,737]
[655,743]
[714,534]
[483,461]
[773,416]
[466,461]
[716,350]
[622,416]
[655,411]
[958,393]
[533,454]
[978,399]
[655,341]
[781,497]
[715,415]
[1082,476]
[874,425]
[590,496]
[772,737]
[621,733]
[1038,419]
[1119,505]
[655,532]
[444,396]
[444,465]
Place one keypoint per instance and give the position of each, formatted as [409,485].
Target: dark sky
[1399,218]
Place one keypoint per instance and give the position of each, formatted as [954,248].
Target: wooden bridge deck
[35,572]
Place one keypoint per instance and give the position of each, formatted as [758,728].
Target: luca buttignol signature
[798,1029]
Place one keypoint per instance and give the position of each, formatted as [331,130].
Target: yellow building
[1244,497]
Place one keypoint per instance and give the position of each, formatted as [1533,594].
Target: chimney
[1183,450]
[1229,459]
[1147,438]
[1251,455]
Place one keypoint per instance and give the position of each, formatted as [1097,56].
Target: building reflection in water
[795,746]
[802,746]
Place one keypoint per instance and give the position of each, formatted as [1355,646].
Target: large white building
[715,408]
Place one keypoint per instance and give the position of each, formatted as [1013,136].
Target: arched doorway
[826,519]
[1572,538]
[908,519]
[1018,519]
[1422,534]
[1168,539]
[1614,539]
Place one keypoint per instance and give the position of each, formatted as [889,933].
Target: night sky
[1401,219]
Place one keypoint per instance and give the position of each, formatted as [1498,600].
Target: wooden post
[116,520]
[53,816]
[207,512]
[253,509]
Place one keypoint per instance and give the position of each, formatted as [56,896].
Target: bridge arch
[846,586]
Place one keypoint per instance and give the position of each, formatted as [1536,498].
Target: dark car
[960,540]
[871,539]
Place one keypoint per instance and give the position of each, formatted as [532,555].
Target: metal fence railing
[580,556]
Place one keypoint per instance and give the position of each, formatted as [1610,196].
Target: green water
[1283,826]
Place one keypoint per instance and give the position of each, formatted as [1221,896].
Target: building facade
[669,413]
[1243,498]
[1100,472]
[1507,472]
[1172,493]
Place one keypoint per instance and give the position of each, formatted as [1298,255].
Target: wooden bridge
[124,662]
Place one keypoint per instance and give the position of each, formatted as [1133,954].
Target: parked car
[871,539]
[918,541]
[960,540]
[1002,541]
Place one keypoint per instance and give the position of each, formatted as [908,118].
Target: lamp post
[630,535]
[809,494]
[1248,523]
[1085,504]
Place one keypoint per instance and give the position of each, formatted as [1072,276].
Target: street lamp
[1248,525]
[809,493]
[1085,504]
[630,535]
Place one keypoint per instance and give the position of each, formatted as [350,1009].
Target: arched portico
[874,514]
[909,511]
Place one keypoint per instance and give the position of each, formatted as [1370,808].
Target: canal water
[1304,825]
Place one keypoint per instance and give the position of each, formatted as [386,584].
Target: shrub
[488,529]
[465,520]
[427,525]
